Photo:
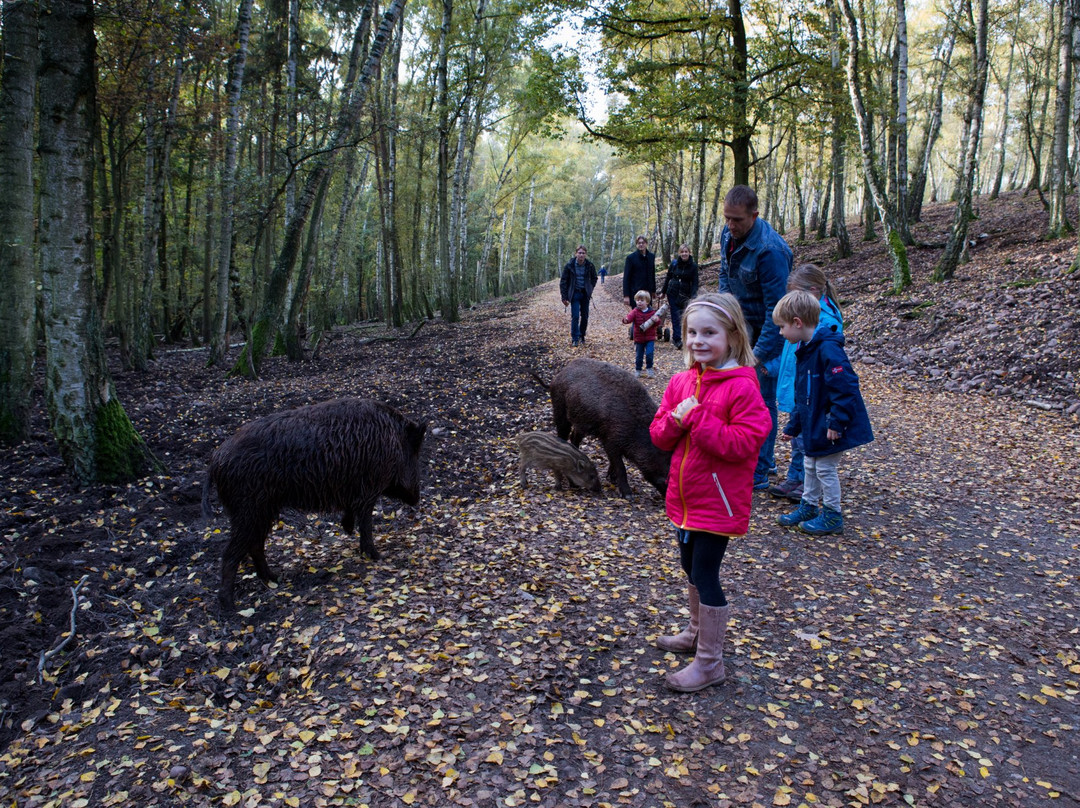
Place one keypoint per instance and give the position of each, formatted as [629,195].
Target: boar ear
[414,433]
[583,464]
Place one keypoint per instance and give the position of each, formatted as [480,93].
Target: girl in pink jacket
[714,421]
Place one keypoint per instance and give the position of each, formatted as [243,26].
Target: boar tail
[539,378]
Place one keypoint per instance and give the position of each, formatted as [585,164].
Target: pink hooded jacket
[710,485]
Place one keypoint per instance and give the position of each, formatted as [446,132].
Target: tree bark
[219,340]
[17,274]
[1006,91]
[1059,151]
[900,125]
[957,240]
[742,130]
[442,197]
[95,437]
[895,244]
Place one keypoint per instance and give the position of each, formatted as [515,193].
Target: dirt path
[501,652]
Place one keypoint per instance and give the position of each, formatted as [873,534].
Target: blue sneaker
[828,521]
[799,515]
[761,483]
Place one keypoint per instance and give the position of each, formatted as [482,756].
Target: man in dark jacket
[754,265]
[639,272]
[576,287]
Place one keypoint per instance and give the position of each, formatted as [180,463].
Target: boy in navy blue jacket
[829,411]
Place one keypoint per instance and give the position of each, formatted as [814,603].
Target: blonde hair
[725,309]
[643,295]
[801,304]
[811,278]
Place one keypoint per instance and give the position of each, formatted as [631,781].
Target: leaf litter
[500,653]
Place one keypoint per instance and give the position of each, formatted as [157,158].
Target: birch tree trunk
[17,275]
[528,227]
[220,337]
[933,127]
[895,244]
[159,137]
[1006,91]
[1059,151]
[95,437]
[839,150]
[290,108]
[901,125]
[955,244]
[442,198]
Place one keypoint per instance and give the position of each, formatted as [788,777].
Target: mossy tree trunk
[17,277]
[94,435]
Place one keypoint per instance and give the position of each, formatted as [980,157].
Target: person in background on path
[642,318]
[713,420]
[639,272]
[810,278]
[829,411]
[680,287]
[576,287]
[754,265]
[603,274]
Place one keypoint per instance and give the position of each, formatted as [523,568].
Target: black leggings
[700,554]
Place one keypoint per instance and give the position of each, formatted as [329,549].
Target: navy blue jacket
[756,273]
[639,272]
[827,397]
[567,279]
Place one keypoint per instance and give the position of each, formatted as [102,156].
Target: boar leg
[617,469]
[348,520]
[562,421]
[367,543]
[523,469]
[248,538]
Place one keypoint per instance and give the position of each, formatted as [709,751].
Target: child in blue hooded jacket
[809,278]
[829,411]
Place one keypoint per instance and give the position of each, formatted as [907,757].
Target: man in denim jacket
[755,261]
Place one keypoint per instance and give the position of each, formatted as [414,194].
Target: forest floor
[501,651]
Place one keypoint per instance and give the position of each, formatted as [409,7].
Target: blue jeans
[766,459]
[579,316]
[676,320]
[795,469]
[644,350]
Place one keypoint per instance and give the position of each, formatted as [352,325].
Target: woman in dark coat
[680,287]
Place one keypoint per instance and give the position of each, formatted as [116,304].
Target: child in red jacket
[714,421]
[643,320]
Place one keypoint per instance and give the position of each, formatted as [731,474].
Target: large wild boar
[337,455]
[590,397]
[542,450]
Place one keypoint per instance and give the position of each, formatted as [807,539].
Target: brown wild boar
[337,455]
[542,450]
[590,397]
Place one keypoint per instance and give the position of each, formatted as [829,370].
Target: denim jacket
[764,261]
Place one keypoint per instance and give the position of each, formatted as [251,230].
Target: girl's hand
[786,436]
[684,407]
[832,434]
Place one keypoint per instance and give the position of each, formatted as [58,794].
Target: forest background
[209,173]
